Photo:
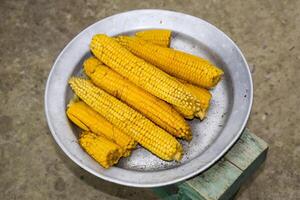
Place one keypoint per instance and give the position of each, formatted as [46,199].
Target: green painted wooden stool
[222,180]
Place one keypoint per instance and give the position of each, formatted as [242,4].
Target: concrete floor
[32,33]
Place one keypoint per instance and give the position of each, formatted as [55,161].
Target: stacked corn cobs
[139,91]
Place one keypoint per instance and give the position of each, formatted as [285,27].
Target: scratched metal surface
[212,137]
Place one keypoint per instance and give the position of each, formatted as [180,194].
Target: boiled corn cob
[89,120]
[177,63]
[143,74]
[158,37]
[204,97]
[128,120]
[105,152]
[155,109]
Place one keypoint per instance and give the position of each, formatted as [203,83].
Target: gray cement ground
[32,33]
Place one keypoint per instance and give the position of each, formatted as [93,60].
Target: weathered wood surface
[222,180]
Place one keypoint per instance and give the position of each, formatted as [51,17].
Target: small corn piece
[143,74]
[155,109]
[105,152]
[204,97]
[128,120]
[89,120]
[159,37]
[177,63]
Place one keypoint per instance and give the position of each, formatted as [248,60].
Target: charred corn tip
[90,65]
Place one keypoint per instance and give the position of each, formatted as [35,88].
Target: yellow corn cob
[143,74]
[163,38]
[105,152]
[158,37]
[155,109]
[128,120]
[204,97]
[177,63]
[89,120]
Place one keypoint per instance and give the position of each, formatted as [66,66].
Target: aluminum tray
[227,117]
